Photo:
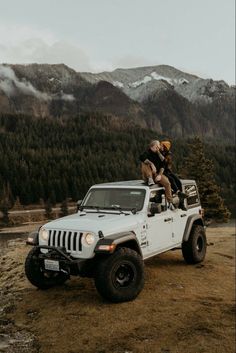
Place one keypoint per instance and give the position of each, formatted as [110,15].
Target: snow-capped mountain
[139,83]
[161,98]
[57,91]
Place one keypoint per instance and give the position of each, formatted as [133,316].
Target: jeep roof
[137,183]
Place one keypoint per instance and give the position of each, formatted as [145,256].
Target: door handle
[183,215]
[167,219]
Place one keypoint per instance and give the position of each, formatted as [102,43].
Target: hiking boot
[182,206]
[150,182]
[182,195]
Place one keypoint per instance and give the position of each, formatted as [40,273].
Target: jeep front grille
[71,240]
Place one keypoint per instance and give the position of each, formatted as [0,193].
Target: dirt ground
[182,308]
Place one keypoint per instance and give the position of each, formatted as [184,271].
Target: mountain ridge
[161,97]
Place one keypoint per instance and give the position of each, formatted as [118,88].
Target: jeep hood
[108,223]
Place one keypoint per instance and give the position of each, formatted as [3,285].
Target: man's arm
[147,162]
[144,158]
[160,155]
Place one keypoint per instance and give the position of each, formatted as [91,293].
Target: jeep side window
[193,197]
[157,202]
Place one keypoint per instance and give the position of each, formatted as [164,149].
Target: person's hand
[158,177]
[154,170]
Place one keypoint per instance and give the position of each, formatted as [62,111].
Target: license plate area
[51,265]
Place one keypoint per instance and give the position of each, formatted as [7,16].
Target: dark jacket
[154,158]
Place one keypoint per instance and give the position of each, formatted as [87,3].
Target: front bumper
[74,267]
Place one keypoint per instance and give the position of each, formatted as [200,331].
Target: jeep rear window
[193,197]
[125,199]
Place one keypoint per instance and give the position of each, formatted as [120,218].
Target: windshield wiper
[117,208]
[97,208]
[113,207]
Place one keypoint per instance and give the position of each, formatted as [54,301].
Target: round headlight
[43,234]
[88,238]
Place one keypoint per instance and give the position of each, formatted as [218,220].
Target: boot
[182,195]
[182,206]
[150,182]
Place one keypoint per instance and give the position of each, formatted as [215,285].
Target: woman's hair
[166,145]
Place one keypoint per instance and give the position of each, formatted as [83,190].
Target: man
[152,168]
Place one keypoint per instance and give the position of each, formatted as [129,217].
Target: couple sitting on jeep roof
[156,169]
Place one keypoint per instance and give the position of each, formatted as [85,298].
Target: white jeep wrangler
[117,226]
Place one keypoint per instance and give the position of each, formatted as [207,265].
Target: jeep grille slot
[70,240]
[75,241]
[55,237]
[59,238]
[80,241]
[64,239]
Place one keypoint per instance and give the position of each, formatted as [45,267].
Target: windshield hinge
[100,234]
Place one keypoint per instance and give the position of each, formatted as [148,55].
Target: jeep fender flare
[193,219]
[110,243]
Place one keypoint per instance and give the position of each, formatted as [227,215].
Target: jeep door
[178,225]
[159,231]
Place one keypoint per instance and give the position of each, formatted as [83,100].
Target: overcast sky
[197,36]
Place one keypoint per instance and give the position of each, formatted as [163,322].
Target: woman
[173,178]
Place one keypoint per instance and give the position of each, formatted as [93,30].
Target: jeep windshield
[114,199]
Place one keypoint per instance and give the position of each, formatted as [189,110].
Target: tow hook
[67,273]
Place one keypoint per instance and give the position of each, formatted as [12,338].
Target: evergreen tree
[48,209]
[64,208]
[201,169]
[60,158]
[4,208]
[17,205]
[6,203]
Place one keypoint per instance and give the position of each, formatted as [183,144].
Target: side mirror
[155,208]
[78,204]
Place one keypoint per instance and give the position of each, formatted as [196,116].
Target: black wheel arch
[195,219]
[117,241]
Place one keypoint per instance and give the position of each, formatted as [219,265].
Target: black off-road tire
[120,276]
[38,276]
[194,250]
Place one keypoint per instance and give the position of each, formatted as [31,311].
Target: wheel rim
[123,275]
[199,245]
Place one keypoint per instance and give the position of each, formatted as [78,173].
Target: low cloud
[36,50]
[9,83]
[67,97]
